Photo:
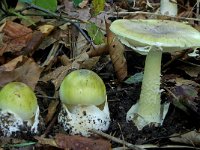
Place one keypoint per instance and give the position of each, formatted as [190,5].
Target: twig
[117,140]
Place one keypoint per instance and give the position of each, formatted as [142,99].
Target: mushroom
[19,110]
[84,103]
[152,38]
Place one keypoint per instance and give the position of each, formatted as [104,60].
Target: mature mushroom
[152,37]
[18,109]
[84,103]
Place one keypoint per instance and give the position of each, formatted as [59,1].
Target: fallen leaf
[185,95]
[191,70]
[191,138]
[11,65]
[182,81]
[51,110]
[22,70]
[56,76]
[29,73]
[116,51]
[16,36]
[81,143]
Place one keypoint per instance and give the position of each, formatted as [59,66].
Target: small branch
[117,140]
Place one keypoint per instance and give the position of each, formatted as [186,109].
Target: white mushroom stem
[168,7]
[149,103]
[147,110]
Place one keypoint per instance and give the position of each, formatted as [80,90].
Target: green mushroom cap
[170,35]
[18,98]
[82,87]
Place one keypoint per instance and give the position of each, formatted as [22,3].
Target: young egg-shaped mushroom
[19,110]
[84,103]
[151,38]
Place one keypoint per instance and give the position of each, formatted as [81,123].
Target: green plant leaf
[97,6]
[136,78]
[77,2]
[95,33]
[46,4]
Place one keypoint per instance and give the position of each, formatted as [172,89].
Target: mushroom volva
[84,103]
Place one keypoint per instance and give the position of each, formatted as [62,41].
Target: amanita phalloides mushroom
[84,103]
[152,38]
[19,111]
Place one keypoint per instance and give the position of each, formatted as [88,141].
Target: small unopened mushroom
[152,38]
[84,103]
[19,111]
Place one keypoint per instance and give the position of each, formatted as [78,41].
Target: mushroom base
[12,125]
[148,109]
[81,119]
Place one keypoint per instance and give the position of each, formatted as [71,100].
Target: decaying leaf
[51,110]
[16,36]
[191,70]
[191,138]
[77,143]
[56,76]
[185,94]
[22,70]
[116,51]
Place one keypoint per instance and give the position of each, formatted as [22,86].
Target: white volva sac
[81,119]
[19,111]
[84,103]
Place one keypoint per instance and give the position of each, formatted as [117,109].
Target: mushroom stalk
[149,103]
[168,7]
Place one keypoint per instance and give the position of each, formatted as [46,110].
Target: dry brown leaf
[32,44]
[11,65]
[81,143]
[98,50]
[16,36]
[116,51]
[90,63]
[191,70]
[27,72]
[182,81]
[80,59]
[51,110]
[191,138]
[56,76]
